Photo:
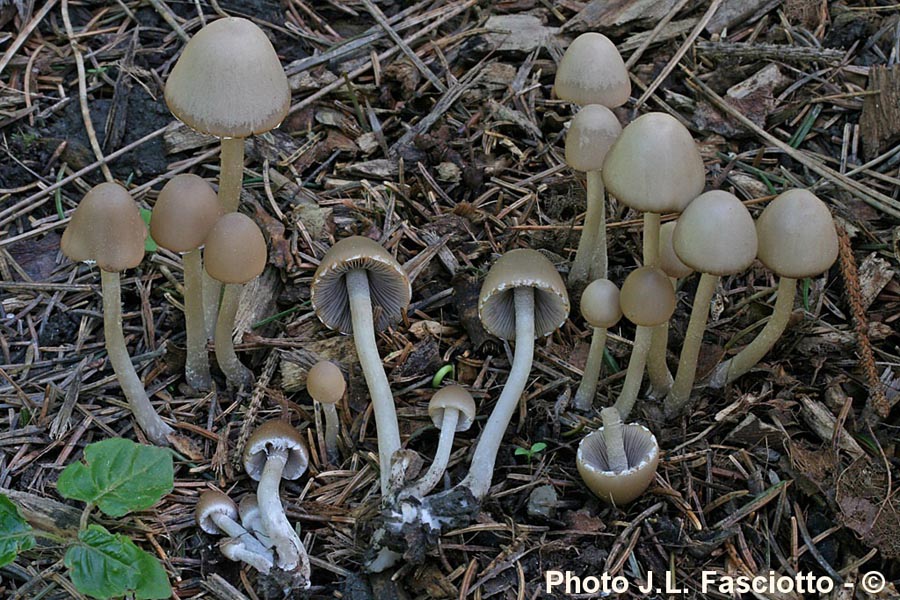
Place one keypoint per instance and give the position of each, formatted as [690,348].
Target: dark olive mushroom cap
[647,297]
[454,397]
[389,287]
[212,503]
[235,249]
[797,237]
[229,82]
[600,303]
[591,134]
[619,488]
[276,435]
[716,234]
[592,72]
[186,210]
[106,228]
[522,268]
[668,260]
[325,382]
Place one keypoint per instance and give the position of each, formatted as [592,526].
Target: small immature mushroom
[251,519]
[668,260]
[217,514]
[325,384]
[592,72]
[275,450]
[600,308]
[236,549]
[522,298]
[185,212]
[797,239]
[107,229]
[235,253]
[360,288]
[716,236]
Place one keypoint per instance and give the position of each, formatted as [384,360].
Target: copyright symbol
[872,582]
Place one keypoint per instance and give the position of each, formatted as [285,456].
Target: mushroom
[325,384]
[237,549]
[592,72]
[668,260]
[522,298]
[360,288]
[275,450]
[107,229]
[797,239]
[217,514]
[716,236]
[647,300]
[235,253]
[600,308]
[251,519]
[185,212]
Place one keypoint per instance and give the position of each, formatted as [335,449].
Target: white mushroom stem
[635,373]
[254,525]
[387,430]
[236,550]
[235,530]
[291,554]
[613,438]
[651,239]
[332,428]
[235,372]
[212,291]
[481,470]
[231,174]
[745,360]
[441,456]
[145,415]
[587,389]
[590,258]
[196,369]
[657,370]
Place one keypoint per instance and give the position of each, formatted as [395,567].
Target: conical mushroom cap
[325,382]
[229,82]
[600,303]
[619,488]
[654,166]
[647,297]
[276,435]
[235,249]
[106,228]
[591,134]
[592,72]
[715,234]
[668,260]
[452,397]
[186,210]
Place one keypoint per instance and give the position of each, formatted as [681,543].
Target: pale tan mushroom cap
[186,210]
[591,134]
[600,303]
[522,268]
[592,72]
[715,234]
[106,228]
[229,82]
[654,166]
[212,502]
[389,287]
[325,382]
[235,249]
[248,508]
[642,452]
[454,397]
[668,260]
[276,435]
[647,297]
[797,237]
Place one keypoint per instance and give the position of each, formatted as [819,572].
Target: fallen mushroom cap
[186,210]
[276,435]
[389,287]
[325,382]
[229,82]
[797,236]
[592,72]
[454,397]
[642,452]
[600,304]
[668,260]
[591,134]
[235,249]
[106,228]
[212,503]
[647,297]
[522,268]
[715,234]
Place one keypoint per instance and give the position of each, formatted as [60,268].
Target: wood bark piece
[880,120]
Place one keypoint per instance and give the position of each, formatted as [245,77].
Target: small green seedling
[536,448]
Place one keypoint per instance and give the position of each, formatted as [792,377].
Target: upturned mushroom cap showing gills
[186,210]
[522,268]
[600,304]
[668,260]
[389,286]
[454,397]
[591,134]
[229,82]
[797,237]
[325,382]
[106,228]
[642,452]
[647,297]
[235,249]
[212,503]
[715,234]
[592,72]
[276,435]
[654,166]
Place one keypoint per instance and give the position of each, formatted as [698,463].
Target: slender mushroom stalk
[613,437]
[618,486]
[251,519]
[325,384]
[523,297]
[236,549]
[360,288]
[600,308]
[716,236]
[107,229]
[216,514]
[797,239]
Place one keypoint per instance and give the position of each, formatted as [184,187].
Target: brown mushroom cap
[457,398]
[647,297]
[654,166]
[619,488]
[522,268]
[600,303]
[716,234]
[797,237]
[592,72]
[235,249]
[389,287]
[248,508]
[668,260]
[229,82]
[212,503]
[186,210]
[591,134]
[276,435]
[325,382]
[106,228]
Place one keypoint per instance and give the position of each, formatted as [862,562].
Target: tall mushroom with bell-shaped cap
[107,229]
[216,513]
[716,236]
[797,239]
[325,384]
[592,72]
[522,298]
[360,288]
[600,308]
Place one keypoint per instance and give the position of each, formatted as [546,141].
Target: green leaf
[15,532]
[106,565]
[149,242]
[523,452]
[119,476]
[537,447]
